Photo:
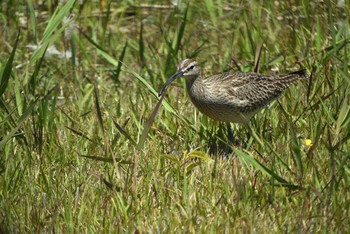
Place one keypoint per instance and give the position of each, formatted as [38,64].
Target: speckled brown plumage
[232,97]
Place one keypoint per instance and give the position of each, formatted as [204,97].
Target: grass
[87,146]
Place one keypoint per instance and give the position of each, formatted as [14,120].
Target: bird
[232,96]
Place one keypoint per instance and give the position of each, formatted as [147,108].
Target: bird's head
[188,68]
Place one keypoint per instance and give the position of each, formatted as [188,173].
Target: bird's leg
[229,138]
[229,133]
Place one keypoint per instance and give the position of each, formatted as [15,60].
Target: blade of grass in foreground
[143,137]
[123,132]
[257,57]
[98,110]
[149,123]
[108,160]
[33,21]
[296,150]
[180,34]
[52,31]
[252,161]
[56,19]
[8,68]
[344,110]
[116,72]
[22,119]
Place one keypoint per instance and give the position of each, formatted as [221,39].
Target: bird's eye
[191,67]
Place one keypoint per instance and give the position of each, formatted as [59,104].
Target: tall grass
[87,145]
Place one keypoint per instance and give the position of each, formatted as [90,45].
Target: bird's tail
[284,81]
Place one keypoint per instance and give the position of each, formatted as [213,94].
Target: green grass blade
[141,45]
[40,51]
[148,124]
[344,110]
[246,157]
[98,110]
[180,33]
[80,133]
[108,160]
[56,19]
[21,121]
[49,37]
[117,71]
[123,132]
[33,22]
[211,10]
[6,74]
[296,149]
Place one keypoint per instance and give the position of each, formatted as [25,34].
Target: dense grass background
[80,151]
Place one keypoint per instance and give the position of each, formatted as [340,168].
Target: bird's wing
[244,89]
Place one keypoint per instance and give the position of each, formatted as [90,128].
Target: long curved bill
[171,79]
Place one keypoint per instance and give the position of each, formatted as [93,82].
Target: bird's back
[236,97]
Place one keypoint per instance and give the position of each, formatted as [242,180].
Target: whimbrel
[232,97]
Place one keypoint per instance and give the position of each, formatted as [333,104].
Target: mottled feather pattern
[233,97]
[247,91]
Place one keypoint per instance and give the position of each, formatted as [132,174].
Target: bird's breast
[235,111]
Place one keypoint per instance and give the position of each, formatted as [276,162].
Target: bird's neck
[195,86]
[191,81]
